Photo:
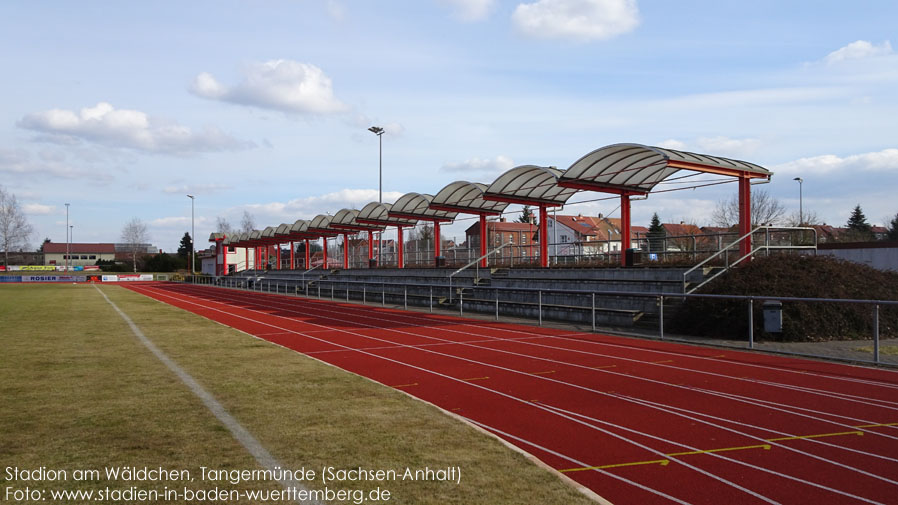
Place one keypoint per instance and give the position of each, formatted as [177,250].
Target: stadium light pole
[377,130]
[66,237]
[192,233]
[800,200]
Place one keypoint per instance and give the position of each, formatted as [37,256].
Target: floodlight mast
[377,130]
[800,201]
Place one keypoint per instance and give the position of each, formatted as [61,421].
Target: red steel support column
[399,259]
[277,256]
[436,239]
[483,240]
[224,261]
[370,247]
[292,259]
[308,255]
[744,214]
[624,228]
[246,258]
[346,251]
[324,239]
[543,237]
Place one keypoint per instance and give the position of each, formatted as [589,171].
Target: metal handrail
[473,263]
[751,253]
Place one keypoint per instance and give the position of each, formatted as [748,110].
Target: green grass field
[79,391]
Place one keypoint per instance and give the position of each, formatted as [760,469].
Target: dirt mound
[795,276]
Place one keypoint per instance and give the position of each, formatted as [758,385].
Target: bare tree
[248,223]
[807,218]
[14,228]
[223,226]
[765,209]
[134,234]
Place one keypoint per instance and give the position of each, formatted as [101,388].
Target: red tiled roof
[78,248]
[681,229]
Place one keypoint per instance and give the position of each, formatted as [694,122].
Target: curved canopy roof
[320,225]
[268,232]
[379,214]
[283,229]
[417,206]
[216,236]
[528,184]
[345,219]
[637,169]
[255,235]
[467,198]
[300,226]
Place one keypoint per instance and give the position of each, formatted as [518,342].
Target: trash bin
[773,316]
[631,257]
[441,261]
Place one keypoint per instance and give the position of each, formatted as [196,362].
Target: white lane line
[293,309]
[573,460]
[606,394]
[363,313]
[478,386]
[720,456]
[241,434]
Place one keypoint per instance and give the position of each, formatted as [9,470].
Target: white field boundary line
[582,388]
[364,312]
[293,309]
[769,430]
[496,392]
[576,485]
[401,314]
[241,434]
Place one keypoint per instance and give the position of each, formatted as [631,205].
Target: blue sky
[122,108]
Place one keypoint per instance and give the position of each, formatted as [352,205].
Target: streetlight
[192,233]
[377,130]
[66,237]
[800,201]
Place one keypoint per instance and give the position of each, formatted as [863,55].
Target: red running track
[637,421]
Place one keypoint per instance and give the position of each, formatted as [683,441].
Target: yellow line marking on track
[766,447]
[476,379]
[664,361]
[601,367]
[406,385]
[547,372]
[801,437]
[456,409]
[876,425]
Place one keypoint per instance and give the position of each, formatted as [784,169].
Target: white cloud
[38,209]
[858,50]
[20,163]
[132,129]
[307,208]
[478,165]
[880,161]
[471,10]
[284,85]
[177,222]
[580,20]
[672,144]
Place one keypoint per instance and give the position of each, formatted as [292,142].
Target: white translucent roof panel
[417,206]
[345,219]
[467,198]
[529,184]
[379,214]
[637,168]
